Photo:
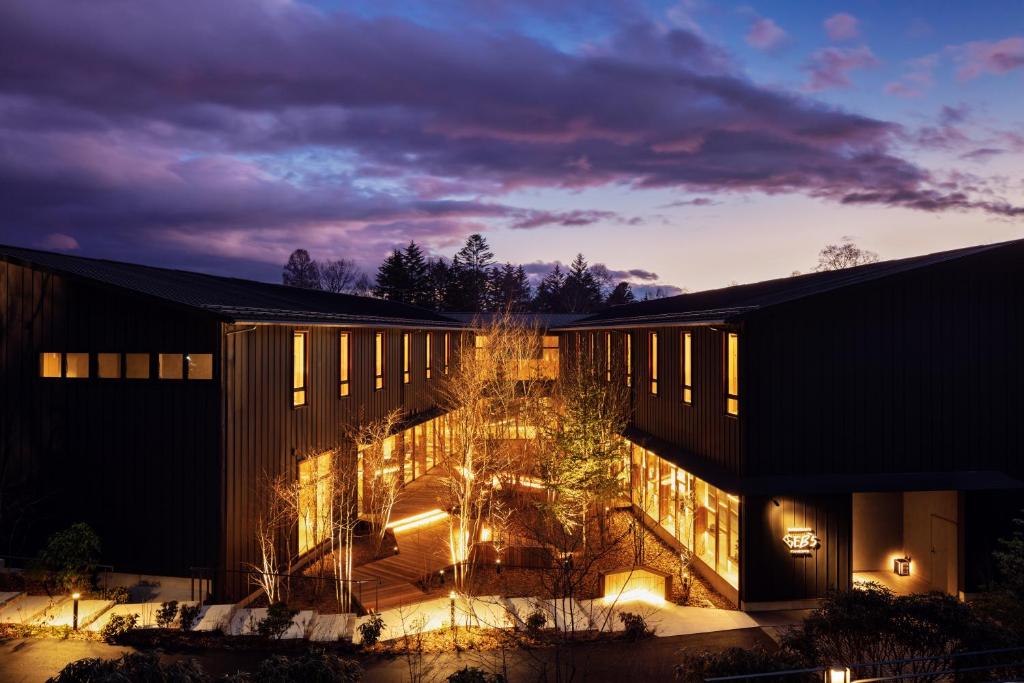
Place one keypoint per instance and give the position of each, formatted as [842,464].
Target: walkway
[422,548]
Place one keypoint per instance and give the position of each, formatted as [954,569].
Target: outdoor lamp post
[74,612]
[837,675]
[451,598]
[497,563]
[442,576]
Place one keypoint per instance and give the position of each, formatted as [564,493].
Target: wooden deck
[421,550]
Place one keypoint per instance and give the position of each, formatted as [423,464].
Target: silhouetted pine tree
[549,292]
[622,294]
[393,278]
[581,292]
[301,271]
[439,284]
[509,289]
[471,275]
[417,275]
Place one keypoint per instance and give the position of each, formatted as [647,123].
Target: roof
[733,303]
[542,321]
[232,299]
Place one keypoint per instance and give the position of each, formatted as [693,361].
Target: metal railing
[293,586]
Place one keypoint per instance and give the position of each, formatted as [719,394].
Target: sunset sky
[694,143]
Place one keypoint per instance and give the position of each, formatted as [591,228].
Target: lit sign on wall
[801,540]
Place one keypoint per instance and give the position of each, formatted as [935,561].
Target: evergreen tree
[509,288]
[393,279]
[582,292]
[440,285]
[301,271]
[622,294]
[417,275]
[549,292]
[471,268]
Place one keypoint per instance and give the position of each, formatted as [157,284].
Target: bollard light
[442,576]
[838,675]
[497,563]
[74,614]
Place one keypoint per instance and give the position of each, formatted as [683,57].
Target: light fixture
[74,615]
[838,675]
[497,562]
[901,566]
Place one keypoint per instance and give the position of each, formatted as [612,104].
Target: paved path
[422,550]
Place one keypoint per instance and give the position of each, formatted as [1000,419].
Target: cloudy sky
[695,143]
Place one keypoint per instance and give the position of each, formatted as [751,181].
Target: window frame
[428,343]
[188,367]
[406,357]
[686,366]
[627,346]
[160,376]
[731,372]
[447,351]
[149,365]
[608,357]
[652,361]
[99,365]
[379,360]
[344,364]
[60,364]
[304,388]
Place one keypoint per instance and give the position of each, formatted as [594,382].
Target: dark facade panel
[770,571]
[136,459]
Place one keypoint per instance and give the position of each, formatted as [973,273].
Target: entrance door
[944,555]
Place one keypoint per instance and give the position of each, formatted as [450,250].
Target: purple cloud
[765,34]
[696,201]
[917,79]
[982,154]
[842,26]
[991,57]
[245,128]
[830,67]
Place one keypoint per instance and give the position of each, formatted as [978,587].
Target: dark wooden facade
[136,459]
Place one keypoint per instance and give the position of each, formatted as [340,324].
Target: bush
[634,626]
[472,674]
[312,667]
[189,614]
[277,622]
[737,661]
[119,625]
[371,629]
[118,594]
[70,556]
[165,615]
[134,666]
[535,621]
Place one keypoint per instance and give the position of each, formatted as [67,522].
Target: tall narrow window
[652,361]
[344,364]
[687,361]
[628,346]
[428,351]
[447,351]
[378,360]
[608,357]
[732,373]
[299,373]
[406,374]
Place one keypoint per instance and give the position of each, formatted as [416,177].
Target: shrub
[70,556]
[313,667]
[371,629]
[472,674]
[134,666]
[189,614]
[165,615]
[277,622]
[738,661]
[118,594]
[535,621]
[119,625]
[634,626]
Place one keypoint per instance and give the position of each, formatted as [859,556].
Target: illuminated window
[608,357]
[687,361]
[447,349]
[406,375]
[108,365]
[200,365]
[428,350]
[49,364]
[316,514]
[300,341]
[171,365]
[652,361]
[628,346]
[76,365]
[344,364]
[732,373]
[136,365]
[378,360]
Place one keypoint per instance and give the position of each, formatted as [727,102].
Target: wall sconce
[837,675]
[901,566]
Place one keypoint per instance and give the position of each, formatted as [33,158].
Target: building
[794,434]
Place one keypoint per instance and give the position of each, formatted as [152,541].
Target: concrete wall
[877,530]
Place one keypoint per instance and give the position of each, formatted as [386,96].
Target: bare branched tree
[844,255]
[339,276]
[277,513]
[382,481]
